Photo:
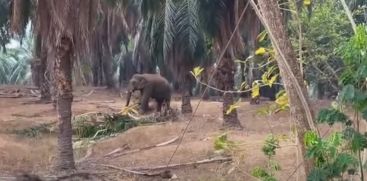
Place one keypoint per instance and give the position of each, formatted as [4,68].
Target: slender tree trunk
[36,62]
[96,64]
[50,76]
[186,96]
[107,67]
[39,68]
[35,69]
[226,68]
[62,71]
[225,81]
[273,16]
[204,78]
[44,82]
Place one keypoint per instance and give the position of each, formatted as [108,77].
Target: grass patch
[102,125]
[35,131]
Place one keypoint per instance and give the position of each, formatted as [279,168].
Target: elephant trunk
[128,98]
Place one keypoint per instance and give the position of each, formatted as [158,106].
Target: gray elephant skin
[150,86]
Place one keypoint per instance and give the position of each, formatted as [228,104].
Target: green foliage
[357,141]
[110,124]
[271,144]
[269,149]
[35,131]
[323,33]
[330,160]
[262,174]
[317,174]
[15,62]
[221,143]
[331,116]
[340,152]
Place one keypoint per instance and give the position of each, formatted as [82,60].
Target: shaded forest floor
[35,154]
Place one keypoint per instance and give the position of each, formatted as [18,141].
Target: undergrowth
[35,131]
[93,126]
[108,125]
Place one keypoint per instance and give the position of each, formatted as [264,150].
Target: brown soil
[19,153]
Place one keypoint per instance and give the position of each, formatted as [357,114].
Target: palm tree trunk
[225,79]
[35,69]
[107,68]
[272,15]
[51,56]
[186,96]
[39,68]
[44,82]
[36,62]
[62,71]
[95,56]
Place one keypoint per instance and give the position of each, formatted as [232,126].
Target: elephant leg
[167,108]
[144,101]
[159,105]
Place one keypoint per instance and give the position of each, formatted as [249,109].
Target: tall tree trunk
[62,71]
[36,62]
[107,67]
[95,56]
[272,15]
[225,81]
[44,82]
[35,69]
[51,56]
[39,68]
[186,95]
[228,35]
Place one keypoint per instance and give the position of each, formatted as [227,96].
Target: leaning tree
[273,20]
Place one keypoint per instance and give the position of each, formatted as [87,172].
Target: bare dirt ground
[35,155]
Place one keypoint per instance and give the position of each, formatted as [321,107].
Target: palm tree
[106,39]
[219,18]
[173,31]
[22,13]
[170,31]
[63,26]
[5,9]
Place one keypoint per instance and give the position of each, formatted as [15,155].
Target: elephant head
[137,82]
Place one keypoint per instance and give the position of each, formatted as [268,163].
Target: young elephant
[150,86]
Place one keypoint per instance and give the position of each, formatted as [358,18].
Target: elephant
[150,86]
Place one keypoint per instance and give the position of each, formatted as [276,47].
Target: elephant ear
[141,83]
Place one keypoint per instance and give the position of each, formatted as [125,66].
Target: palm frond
[21,13]
[188,24]
[169,26]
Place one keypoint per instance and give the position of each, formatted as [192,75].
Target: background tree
[289,70]
[69,24]
[219,20]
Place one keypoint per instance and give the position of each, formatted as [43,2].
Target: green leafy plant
[340,152]
[269,149]
[331,161]
[109,124]
[35,131]
[15,62]
[222,143]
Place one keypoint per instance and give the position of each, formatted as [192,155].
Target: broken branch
[211,160]
[140,149]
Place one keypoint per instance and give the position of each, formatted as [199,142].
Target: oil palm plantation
[174,32]
[169,38]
